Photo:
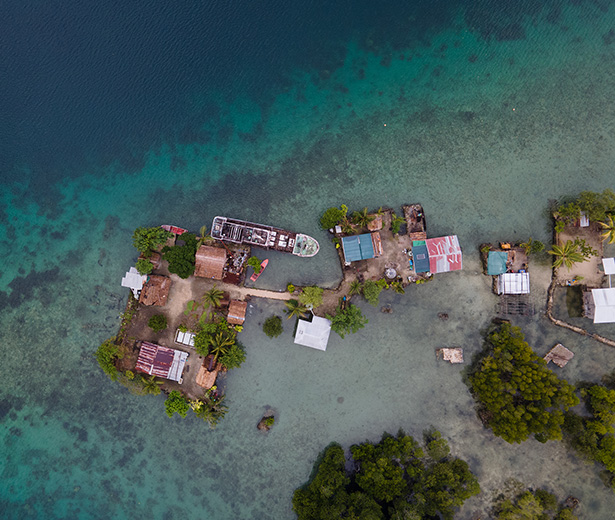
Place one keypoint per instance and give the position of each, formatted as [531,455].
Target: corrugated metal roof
[496,262]
[514,283]
[314,334]
[161,361]
[421,256]
[444,254]
[358,247]
[604,300]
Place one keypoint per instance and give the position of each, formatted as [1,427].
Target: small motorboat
[255,276]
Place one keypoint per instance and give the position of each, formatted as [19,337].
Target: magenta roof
[444,254]
[161,361]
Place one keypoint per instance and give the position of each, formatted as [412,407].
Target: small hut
[237,312]
[452,355]
[161,361]
[599,305]
[206,378]
[560,355]
[210,262]
[156,290]
[376,224]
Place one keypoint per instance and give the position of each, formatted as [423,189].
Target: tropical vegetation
[396,223]
[158,322]
[518,396]
[181,258]
[211,409]
[144,266]
[176,404]
[148,239]
[596,207]
[311,297]
[608,229]
[362,218]
[333,216]
[527,504]
[532,247]
[107,355]
[295,308]
[372,290]
[347,320]
[213,297]
[273,326]
[572,252]
[393,479]
[255,263]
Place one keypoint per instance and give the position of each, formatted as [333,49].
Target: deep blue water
[119,114]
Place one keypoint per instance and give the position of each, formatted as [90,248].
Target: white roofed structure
[314,334]
[134,281]
[604,305]
[513,283]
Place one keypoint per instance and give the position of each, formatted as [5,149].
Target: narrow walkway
[258,293]
[568,326]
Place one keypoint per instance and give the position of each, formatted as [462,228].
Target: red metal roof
[444,254]
[160,361]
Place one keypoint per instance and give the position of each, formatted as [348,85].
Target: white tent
[514,283]
[609,267]
[314,334]
[134,281]
[604,302]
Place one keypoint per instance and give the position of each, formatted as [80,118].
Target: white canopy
[609,265]
[514,283]
[604,302]
[134,281]
[314,334]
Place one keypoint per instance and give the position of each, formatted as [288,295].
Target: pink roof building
[444,254]
[161,361]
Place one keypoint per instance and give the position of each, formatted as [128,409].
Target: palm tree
[355,288]
[211,411]
[608,228]
[150,385]
[362,218]
[295,309]
[347,227]
[219,344]
[567,255]
[213,297]
[203,236]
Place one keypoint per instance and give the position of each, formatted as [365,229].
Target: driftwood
[573,328]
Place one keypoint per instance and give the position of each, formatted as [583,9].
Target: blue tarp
[358,247]
[496,262]
[421,256]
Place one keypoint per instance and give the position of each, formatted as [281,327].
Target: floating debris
[452,355]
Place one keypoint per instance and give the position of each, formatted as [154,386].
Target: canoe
[255,276]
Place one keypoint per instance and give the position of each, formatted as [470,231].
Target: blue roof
[421,256]
[358,247]
[496,262]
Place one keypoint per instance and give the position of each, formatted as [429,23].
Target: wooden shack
[156,290]
[237,312]
[210,262]
[206,378]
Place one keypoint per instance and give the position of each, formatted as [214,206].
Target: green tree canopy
[210,332]
[371,292]
[295,308]
[332,217]
[347,320]
[255,263]
[311,296]
[158,322]
[531,505]
[147,239]
[273,326]
[518,395]
[392,479]
[233,356]
[176,404]
[144,266]
[181,258]
[107,355]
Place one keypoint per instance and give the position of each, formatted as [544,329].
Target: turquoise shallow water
[482,132]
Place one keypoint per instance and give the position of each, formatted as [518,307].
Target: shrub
[146,239]
[348,320]
[158,322]
[144,266]
[106,355]
[371,292]
[233,357]
[181,258]
[255,264]
[332,217]
[311,296]
[176,404]
[273,326]
[290,288]
[269,421]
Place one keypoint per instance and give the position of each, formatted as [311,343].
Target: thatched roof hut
[207,378]
[376,224]
[560,355]
[237,312]
[210,262]
[156,290]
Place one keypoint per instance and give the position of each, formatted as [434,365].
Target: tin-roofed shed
[513,283]
[444,254]
[237,312]
[421,256]
[361,247]
[161,361]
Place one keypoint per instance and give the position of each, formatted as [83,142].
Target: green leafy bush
[273,326]
[539,505]
[347,320]
[518,395]
[233,357]
[332,217]
[158,322]
[255,264]
[147,239]
[269,421]
[107,354]
[144,266]
[290,288]
[181,258]
[176,404]
[311,296]
[371,292]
